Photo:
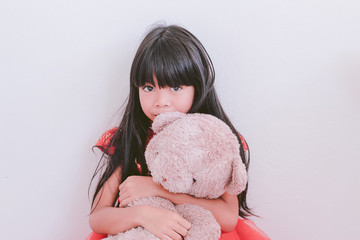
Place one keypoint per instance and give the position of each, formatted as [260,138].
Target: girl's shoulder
[104,142]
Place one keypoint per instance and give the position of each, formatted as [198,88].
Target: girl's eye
[176,89]
[148,88]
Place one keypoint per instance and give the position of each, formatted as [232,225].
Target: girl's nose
[162,98]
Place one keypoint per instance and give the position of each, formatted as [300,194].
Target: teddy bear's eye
[194,180]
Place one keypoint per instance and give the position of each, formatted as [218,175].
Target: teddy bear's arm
[224,209]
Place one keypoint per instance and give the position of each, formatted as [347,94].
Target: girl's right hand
[164,224]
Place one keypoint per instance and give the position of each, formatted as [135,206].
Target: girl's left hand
[135,187]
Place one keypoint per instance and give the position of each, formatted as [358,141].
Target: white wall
[288,74]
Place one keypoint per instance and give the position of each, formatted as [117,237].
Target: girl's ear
[164,119]
[238,180]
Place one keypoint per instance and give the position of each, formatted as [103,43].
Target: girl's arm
[104,218]
[107,219]
[224,209]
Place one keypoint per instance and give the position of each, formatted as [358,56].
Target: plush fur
[196,154]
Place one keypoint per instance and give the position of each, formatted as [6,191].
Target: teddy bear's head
[195,154]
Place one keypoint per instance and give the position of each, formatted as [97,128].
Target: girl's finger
[165,237]
[183,222]
[125,202]
[123,198]
[122,185]
[124,194]
[181,230]
[173,235]
[122,204]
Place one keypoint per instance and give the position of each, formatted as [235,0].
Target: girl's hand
[164,224]
[135,187]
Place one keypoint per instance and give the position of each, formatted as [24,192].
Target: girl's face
[155,100]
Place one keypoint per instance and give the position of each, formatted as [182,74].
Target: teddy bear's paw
[203,223]
[138,233]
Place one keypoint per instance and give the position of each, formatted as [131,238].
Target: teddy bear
[196,154]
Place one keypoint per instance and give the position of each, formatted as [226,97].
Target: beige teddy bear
[196,154]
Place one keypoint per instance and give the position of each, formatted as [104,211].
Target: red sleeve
[243,142]
[104,142]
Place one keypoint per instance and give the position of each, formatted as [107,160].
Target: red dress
[245,228]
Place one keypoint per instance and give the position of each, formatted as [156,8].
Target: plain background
[287,72]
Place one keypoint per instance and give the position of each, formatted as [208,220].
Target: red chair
[245,230]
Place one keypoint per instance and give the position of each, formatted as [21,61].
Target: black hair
[176,57]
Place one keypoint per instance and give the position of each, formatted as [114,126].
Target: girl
[171,71]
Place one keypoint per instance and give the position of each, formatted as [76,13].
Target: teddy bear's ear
[238,180]
[164,119]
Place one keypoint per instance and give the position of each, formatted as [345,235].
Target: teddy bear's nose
[164,179]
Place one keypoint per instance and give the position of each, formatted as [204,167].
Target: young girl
[171,71]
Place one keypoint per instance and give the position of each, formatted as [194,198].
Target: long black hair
[176,57]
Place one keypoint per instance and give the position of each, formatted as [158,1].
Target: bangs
[169,61]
